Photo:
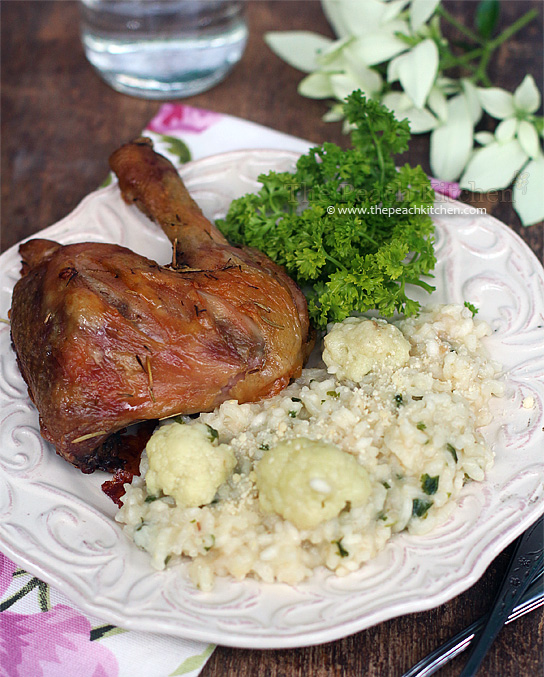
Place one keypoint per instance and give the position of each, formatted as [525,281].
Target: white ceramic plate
[56,522]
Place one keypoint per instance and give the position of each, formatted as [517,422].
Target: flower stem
[43,597]
[441,11]
[462,59]
[18,595]
[486,50]
[490,47]
[514,28]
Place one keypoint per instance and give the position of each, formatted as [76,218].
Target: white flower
[514,150]
[299,49]
[368,34]
[416,70]
[527,196]
[501,105]
[421,119]
[451,142]
[494,166]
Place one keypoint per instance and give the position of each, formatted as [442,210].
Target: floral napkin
[42,633]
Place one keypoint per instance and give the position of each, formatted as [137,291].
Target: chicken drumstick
[105,337]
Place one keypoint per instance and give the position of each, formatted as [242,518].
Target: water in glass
[163,49]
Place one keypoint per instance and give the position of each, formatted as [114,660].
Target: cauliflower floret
[357,345]
[185,462]
[309,482]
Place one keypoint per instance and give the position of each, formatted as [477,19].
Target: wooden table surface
[60,122]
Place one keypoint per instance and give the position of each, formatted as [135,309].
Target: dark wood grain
[60,122]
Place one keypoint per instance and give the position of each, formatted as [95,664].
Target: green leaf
[177,147]
[107,181]
[471,307]
[105,631]
[429,485]
[298,48]
[486,17]
[493,167]
[453,451]
[420,506]
[345,261]
[342,552]
[527,195]
[193,662]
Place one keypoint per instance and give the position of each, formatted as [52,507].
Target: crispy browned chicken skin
[105,337]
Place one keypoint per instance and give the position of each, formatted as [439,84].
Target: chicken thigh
[105,337]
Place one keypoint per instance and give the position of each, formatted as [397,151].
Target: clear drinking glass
[163,49]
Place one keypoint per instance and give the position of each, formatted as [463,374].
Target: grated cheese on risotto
[379,440]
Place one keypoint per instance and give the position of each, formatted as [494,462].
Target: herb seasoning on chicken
[105,337]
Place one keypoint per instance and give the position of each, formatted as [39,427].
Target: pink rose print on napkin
[179,117]
[53,643]
[447,188]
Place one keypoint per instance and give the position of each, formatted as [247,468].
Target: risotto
[379,440]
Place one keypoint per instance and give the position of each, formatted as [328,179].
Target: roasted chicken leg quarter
[105,337]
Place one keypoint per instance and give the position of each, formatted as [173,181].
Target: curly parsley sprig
[348,226]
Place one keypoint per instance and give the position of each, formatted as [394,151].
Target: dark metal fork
[521,591]
[526,560]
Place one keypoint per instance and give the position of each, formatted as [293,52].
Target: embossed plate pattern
[55,521]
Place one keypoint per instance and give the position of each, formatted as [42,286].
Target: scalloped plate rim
[123,618]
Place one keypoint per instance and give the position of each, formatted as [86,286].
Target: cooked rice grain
[415,429]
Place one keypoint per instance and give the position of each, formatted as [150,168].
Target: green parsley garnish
[364,232]
[293,414]
[429,484]
[398,400]
[341,550]
[471,307]
[421,426]
[212,433]
[420,507]
[333,393]
[453,451]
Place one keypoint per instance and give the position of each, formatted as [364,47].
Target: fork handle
[528,555]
